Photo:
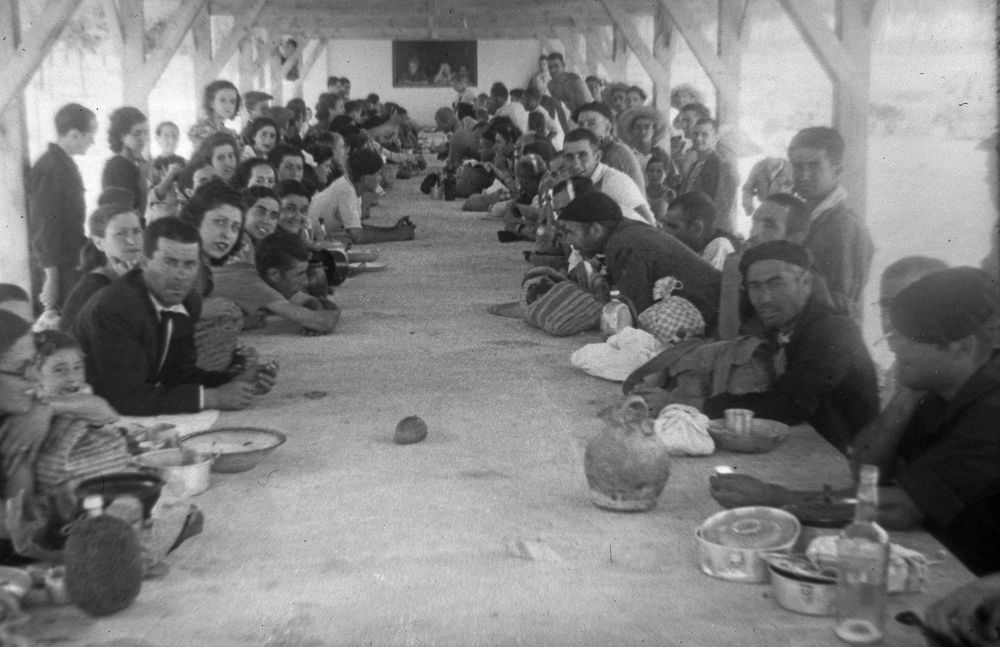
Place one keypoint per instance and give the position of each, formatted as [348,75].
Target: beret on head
[591,206]
[256,96]
[12,328]
[946,306]
[364,161]
[776,250]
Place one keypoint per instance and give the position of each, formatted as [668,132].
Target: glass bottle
[863,563]
[616,315]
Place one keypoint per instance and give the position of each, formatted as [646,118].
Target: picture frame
[433,63]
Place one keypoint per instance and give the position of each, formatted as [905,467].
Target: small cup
[739,421]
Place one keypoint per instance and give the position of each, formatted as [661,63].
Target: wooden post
[201,35]
[308,61]
[664,48]
[732,14]
[13,163]
[246,66]
[630,35]
[133,19]
[277,74]
[850,99]
[332,62]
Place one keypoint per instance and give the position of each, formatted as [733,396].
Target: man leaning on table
[937,443]
[824,374]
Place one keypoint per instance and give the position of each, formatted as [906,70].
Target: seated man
[598,119]
[137,335]
[339,205]
[936,443]
[636,255]
[282,263]
[780,216]
[823,373]
[711,173]
[251,290]
[691,219]
[582,153]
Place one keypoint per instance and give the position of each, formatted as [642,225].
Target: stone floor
[481,535]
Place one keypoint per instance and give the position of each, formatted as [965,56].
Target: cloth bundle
[684,430]
[671,319]
[617,357]
[908,569]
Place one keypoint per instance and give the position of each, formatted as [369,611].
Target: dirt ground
[483,534]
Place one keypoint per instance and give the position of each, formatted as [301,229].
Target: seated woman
[262,213]
[253,172]
[114,248]
[261,136]
[221,151]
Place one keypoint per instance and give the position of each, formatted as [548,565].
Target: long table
[483,534]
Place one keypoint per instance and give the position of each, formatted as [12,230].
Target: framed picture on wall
[433,63]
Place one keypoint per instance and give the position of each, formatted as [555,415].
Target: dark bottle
[449,186]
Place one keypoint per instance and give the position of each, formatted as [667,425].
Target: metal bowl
[732,543]
[800,591]
[235,449]
[764,436]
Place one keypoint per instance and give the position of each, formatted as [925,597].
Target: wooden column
[13,161]
[732,14]
[333,63]
[308,61]
[201,35]
[241,29]
[135,92]
[664,49]
[277,74]
[630,35]
[850,98]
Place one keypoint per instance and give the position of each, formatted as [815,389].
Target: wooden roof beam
[173,36]
[308,61]
[821,40]
[20,67]
[706,54]
[244,23]
[654,68]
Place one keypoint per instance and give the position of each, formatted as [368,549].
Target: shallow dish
[798,590]
[235,449]
[764,436]
[144,487]
[732,543]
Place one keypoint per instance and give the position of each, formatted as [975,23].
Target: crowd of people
[611,198]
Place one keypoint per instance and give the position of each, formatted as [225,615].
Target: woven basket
[216,334]
[75,451]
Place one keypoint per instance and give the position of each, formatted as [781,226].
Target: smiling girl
[220,103]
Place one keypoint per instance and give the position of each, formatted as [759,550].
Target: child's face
[656,174]
[167,138]
[61,373]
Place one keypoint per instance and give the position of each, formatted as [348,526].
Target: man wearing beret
[937,443]
[824,374]
[339,205]
[636,255]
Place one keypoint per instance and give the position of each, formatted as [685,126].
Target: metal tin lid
[754,527]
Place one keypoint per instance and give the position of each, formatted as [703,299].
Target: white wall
[368,64]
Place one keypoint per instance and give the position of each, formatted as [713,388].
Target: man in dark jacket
[137,335]
[637,255]
[56,208]
[824,374]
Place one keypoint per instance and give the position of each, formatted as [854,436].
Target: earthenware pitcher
[627,464]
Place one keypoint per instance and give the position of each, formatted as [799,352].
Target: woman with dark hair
[114,248]
[216,209]
[260,137]
[298,124]
[261,219]
[221,150]
[128,136]
[253,172]
[220,103]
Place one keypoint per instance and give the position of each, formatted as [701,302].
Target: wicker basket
[75,451]
[216,335]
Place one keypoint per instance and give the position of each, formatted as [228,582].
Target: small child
[60,365]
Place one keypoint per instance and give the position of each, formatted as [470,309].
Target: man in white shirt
[500,99]
[340,203]
[581,150]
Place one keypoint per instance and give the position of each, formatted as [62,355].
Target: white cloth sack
[684,430]
[908,569]
[616,358]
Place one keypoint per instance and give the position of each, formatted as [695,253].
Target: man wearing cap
[598,119]
[582,153]
[823,372]
[637,255]
[339,205]
[936,443]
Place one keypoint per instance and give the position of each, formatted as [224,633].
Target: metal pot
[731,544]
[187,473]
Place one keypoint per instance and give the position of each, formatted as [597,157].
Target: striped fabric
[566,309]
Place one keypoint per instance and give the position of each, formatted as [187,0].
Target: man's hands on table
[969,615]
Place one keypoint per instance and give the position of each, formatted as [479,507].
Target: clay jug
[627,465]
